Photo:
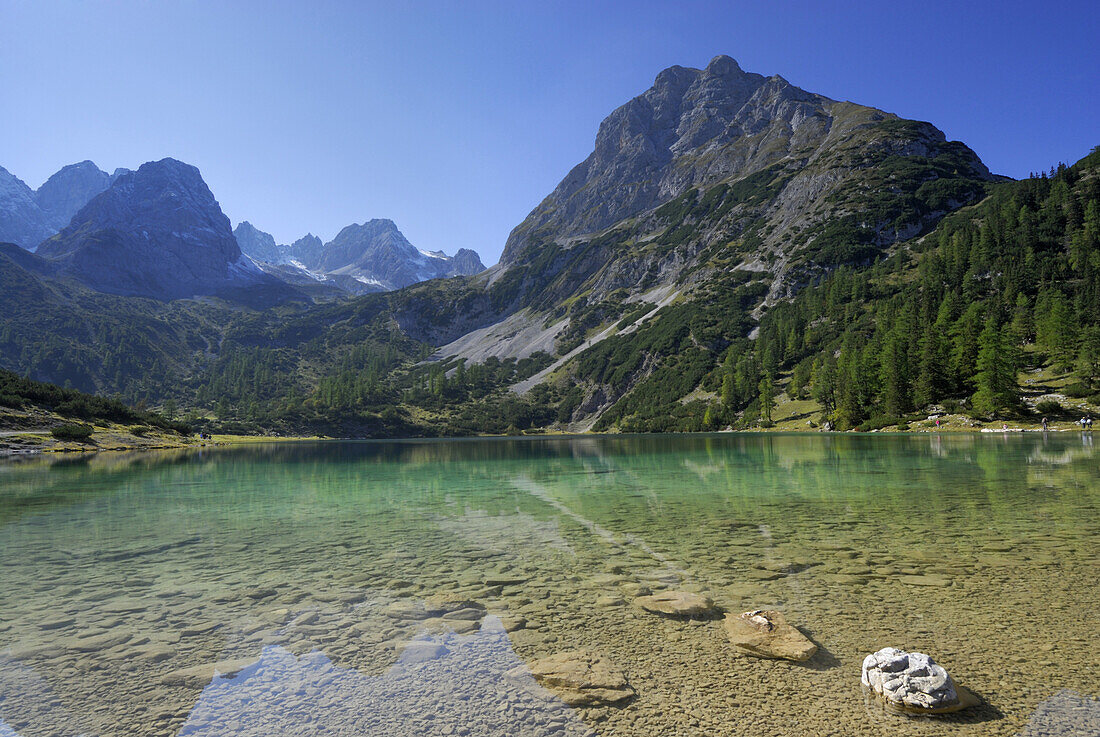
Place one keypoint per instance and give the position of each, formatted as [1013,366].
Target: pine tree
[894,373]
[998,390]
[1088,357]
[964,347]
[767,397]
[824,383]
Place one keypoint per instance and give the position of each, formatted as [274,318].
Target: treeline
[1010,284]
[19,392]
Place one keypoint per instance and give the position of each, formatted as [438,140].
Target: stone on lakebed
[677,604]
[766,634]
[913,683]
[579,678]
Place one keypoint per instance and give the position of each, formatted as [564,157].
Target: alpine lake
[406,587]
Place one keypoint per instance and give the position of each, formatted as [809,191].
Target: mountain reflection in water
[441,684]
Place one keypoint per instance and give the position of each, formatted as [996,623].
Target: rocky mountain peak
[64,193]
[21,219]
[466,263]
[156,232]
[256,244]
[723,66]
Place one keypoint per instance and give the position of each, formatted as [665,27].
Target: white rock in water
[910,681]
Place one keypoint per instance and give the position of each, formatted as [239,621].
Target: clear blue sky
[455,118]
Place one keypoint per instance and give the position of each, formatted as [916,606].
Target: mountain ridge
[372,256]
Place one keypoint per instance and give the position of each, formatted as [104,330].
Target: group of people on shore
[1085,422]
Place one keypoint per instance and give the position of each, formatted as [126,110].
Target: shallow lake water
[295,589]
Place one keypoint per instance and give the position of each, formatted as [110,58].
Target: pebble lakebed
[310,569]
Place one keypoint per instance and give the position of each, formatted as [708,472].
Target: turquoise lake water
[311,574]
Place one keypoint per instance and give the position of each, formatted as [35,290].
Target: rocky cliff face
[157,232]
[21,219]
[63,194]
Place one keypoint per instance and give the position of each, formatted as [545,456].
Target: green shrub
[1077,391]
[11,400]
[878,423]
[1048,407]
[74,432]
[139,431]
[950,406]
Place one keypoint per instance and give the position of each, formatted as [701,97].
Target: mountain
[795,181]
[731,240]
[157,232]
[257,245]
[306,250]
[377,253]
[28,217]
[374,256]
[21,219]
[64,193]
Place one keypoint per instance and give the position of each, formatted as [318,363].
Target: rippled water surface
[294,589]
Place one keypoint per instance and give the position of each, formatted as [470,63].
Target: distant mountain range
[371,257]
[158,232]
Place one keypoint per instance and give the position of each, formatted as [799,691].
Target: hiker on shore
[1044,424]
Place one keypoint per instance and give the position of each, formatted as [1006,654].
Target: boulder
[766,634]
[913,683]
[677,604]
[580,678]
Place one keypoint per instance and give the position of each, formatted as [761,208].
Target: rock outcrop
[912,683]
[580,678]
[766,634]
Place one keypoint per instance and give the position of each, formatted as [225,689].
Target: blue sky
[455,118]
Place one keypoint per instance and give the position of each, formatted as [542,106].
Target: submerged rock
[197,677]
[580,678]
[766,634]
[913,683]
[677,604]
[421,651]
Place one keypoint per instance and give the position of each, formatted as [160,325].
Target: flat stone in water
[677,604]
[96,643]
[766,634]
[198,676]
[580,678]
[928,579]
[421,651]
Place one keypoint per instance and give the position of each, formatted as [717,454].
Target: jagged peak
[675,75]
[724,66]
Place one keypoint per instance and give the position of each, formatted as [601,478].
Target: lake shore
[116,439]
